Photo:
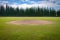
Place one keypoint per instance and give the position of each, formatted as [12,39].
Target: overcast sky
[32,3]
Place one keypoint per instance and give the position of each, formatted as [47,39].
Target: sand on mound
[30,22]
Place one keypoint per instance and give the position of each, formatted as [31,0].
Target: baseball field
[29,28]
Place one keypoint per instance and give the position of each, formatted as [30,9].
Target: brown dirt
[30,22]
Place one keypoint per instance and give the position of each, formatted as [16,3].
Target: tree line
[9,11]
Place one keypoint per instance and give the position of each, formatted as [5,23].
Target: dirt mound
[30,22]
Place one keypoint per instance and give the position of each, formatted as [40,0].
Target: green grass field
[29,32]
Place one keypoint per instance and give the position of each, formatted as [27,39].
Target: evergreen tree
[9,11]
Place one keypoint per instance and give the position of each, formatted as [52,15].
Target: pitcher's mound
[30,22]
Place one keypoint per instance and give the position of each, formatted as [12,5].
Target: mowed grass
[29,32]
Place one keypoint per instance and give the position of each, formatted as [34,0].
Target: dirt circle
[30,22]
